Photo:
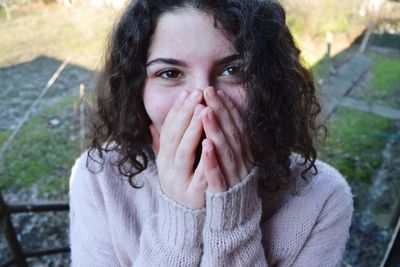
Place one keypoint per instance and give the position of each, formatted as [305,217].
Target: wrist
[228,209]
[181,226]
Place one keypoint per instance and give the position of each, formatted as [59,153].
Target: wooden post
[366,37]
[328,56]
[82,115]
[11,235]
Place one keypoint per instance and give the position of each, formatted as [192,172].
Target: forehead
[188,34]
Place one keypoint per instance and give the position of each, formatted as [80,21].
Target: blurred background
[50,51]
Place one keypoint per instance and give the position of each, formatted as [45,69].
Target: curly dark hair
[282,107]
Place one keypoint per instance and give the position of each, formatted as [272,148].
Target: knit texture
[113,224]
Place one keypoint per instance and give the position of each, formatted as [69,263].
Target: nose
[201,80]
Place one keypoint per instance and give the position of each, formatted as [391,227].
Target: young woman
[202,145]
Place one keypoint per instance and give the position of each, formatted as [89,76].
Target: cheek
[157,105]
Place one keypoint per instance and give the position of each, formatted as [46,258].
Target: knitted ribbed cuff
[226,210]
[179,226]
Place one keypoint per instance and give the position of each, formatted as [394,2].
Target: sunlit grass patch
[384,88]
[353,145]
[386,74]
[77,33]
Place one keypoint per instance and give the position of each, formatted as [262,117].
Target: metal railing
[18,255]
[392,256]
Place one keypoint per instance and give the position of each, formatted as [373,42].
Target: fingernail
[206,146]
[195,94]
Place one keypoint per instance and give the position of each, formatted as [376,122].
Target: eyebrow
[171,61]
[227,59]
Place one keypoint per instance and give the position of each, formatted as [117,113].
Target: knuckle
[219,107]
[229,156]
[181,154]
[229,104]
[234,134]
[200,185]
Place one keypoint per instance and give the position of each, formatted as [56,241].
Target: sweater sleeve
[173,236]
[232,234]
[170,237]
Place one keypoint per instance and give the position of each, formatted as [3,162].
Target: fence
[19,256]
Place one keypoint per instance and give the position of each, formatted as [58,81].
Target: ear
[155,136]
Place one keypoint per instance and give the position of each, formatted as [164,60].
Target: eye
[231,70]
[170,74]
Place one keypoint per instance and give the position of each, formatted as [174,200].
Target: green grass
[352,145]
[41,154]
[386,74]
[4,135]
[384,88]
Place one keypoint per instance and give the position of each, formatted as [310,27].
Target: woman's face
[187,52]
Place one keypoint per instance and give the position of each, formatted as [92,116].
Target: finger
[223,115]
[234,112]
[186,151]
[224,152]
[229,128]
[173,130]
[175,107]
[213,174]
[155,136]
[199,182]
[238,121]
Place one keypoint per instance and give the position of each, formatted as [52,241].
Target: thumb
[155,136]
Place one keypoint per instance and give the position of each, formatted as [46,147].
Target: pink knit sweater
[113,224]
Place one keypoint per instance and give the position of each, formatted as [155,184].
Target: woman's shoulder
[95,170]
[90,170]
[324,196]
[318,212]
[325,179]
[94,161]
[325,190]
